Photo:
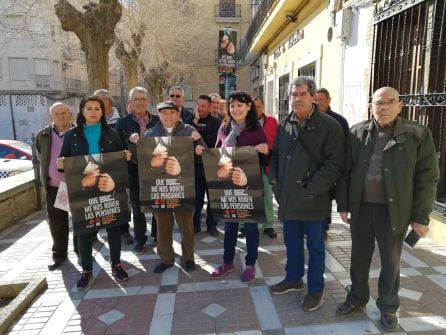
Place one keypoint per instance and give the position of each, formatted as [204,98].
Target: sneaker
[284,287]
[313,301]
[139,248]
[270,232]
[222,270]
[190,266]
[119,273]
[249,274]
[85,280]
[127,238]
[389,321]
[346,309]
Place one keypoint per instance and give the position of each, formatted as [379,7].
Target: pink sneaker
[222,270]
[249,274]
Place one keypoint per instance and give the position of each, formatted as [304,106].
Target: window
[18,69]
[308,70]
[227,8]
[283,92]
[42,73]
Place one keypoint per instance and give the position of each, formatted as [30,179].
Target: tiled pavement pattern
[177,302]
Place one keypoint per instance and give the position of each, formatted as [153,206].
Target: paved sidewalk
[177,302]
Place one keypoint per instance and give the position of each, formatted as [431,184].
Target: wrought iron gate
[409,53]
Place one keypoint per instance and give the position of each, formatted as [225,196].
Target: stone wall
[17,198]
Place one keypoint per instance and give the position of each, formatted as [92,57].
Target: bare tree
[164,54]
[130,56]
[95,30]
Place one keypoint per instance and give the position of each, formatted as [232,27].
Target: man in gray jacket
[48,144]
[307,159]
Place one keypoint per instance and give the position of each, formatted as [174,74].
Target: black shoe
[270,232]
[119,273]
[213,231]
[139,249]
[55,263]
[241,233]
[190,265]
[127,238]
[345,309]
[85,280]
[161,267]
[389,321]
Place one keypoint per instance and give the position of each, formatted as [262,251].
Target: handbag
[62,202]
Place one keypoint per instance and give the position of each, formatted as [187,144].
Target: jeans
[372,223]
[114,245]
[139,219]
[230,242]
[201,189]
[293,232]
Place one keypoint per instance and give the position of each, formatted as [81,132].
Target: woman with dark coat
[92,136]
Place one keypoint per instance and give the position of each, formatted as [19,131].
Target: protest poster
[235,184]
[96,190]
[166,173]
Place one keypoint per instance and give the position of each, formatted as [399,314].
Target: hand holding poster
[235,183]
[166,172]
[96,190]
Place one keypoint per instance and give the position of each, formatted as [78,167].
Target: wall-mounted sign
[292,40]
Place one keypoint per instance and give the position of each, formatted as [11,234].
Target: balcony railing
[42,80]
[260,16]
[228,11]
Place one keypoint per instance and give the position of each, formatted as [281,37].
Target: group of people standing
[382,173]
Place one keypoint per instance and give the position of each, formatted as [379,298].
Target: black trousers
[58,222]
[201,188]
[373,223]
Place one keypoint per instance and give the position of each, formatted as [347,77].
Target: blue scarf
[93,134]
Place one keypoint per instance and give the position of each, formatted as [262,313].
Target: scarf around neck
[236,129]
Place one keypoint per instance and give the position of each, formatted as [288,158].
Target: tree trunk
[95,29]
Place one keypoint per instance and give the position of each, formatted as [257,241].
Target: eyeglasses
[383,103]
[175,96]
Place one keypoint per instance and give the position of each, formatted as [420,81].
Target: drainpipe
[14,135]
[36,167]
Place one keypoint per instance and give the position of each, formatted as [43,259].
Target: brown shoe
[313,301]
[284,287]
[345,309]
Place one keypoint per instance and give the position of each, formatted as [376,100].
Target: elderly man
[170,124]
[176,95]
[390,185]
[207,125]
[137,122]
[306,162]
[48,144]
[215,104]
[111,113]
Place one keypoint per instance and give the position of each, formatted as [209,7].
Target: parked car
[15,150]
[11,167]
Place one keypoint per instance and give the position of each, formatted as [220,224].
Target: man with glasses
[176,94]
[137,122]
[392,171]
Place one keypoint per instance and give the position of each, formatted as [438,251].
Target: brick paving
[177,302]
